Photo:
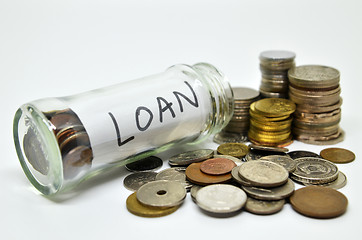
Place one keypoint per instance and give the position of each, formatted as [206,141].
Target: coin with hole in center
[217,166]
[174,174]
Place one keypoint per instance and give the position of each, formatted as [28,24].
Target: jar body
[61,141]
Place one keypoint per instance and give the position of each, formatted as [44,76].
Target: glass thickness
[62,141]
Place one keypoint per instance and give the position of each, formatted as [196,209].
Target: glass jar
[62,141]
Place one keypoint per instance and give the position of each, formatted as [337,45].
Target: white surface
[57,48]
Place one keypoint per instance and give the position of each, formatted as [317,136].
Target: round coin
[237,161]
[269,149]
[263,207]
[136,180]
[147,164]
[229,137]
[174,174]
[237,178]
[194,175]
[338,155]
[135,207]
[285,161]
[319,202]
[186,158]
[274,107]
[300,153]
[161,193]
[263,173]
[340,182]
[245,94]
[193,191]
[238,150]
[217,166]
[220,198]
[275,193]
[314,170]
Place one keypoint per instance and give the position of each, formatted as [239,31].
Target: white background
[56,48]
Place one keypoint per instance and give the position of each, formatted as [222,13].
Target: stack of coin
[315,90]
[73,141]
[237,129]
[270,122]
[274,66]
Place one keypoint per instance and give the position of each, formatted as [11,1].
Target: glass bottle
[62,141]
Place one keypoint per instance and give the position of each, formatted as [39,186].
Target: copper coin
[194,175]
[338,155]
[319,202]
[217,166]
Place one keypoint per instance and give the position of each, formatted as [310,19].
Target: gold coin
[338,155]
[238,150]
[274,107]
[263,118]
[272,128]
[135,207]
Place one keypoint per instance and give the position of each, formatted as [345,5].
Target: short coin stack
[315,90]
[274,66]
[270,122]
[237,129]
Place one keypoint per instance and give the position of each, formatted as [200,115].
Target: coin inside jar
[217,166]
[161,193]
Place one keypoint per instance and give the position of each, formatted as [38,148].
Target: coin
[263,173]
[237,161]
[263,207]
[186,158]
[174,174]
[76,160]
[257,154]
[238,150]
[340,182]
[229,137]
[301,153]
[194,175]
[237,178]
[338,155]
[269,149]
[193,192]
[147,164]
[161,193]
[284,161]
[245,94]
[135,207]
[274,107]
[319,202]
[217,166]
[220,198]
[275,193]
[314,170]
[332,141]
[136,180]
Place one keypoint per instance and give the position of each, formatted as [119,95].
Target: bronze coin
[217,166]
[238,150]
[75,160]
[194,175]
[319,202]
[338,155]
[65,119]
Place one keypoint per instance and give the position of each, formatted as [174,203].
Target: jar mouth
[37,149]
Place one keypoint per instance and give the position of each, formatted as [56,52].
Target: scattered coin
[237,178]
[237,161]
[220,198]
[194,175]
[135,207]
[314,171]
[285,161]
[338,155]
[263,207]
[136,180]
[186,158]
[340,182]
[263,173]
[301,153]
[319,202]
[276,193]
[238,150]
[217,166]
[147,164]
[269,149]
[174,174]
[257,154]
[193,192]
[229,137]
[161,193]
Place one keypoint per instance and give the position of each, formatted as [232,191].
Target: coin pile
[237,129]
[271,121]
[274,66]
[316,92]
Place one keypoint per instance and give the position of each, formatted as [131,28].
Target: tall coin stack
[274,66]
[271,121]
[237,129]
[315,90]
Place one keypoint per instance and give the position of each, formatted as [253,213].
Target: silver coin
[229,137]
[277,55]
[174,174]
[275,193]
[136,180]
[143,165]
[263,207]
[237,178]
[340,182]
[220,198]
[193,192]
[237,161]
[263,173]
[300,153]
[186,158]
[269,149]
[245,94]
[285,161]
[257,154]
[161,193]
[314,170]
